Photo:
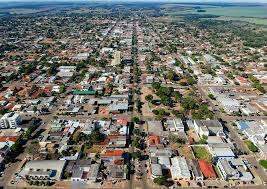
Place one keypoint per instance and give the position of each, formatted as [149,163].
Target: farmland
[254,14]
[236,11]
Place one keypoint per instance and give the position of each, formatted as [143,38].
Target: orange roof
[206,169]
[109,79]
[36,93]
[112,136]
[12,98]
[103,111]
[78,86]
[241,79]
[66,129]
[108,90]
[118,162]
[48,87]
[103,143]
[9,106]
[110,153]
[8,138]
[122,121]
[153,140]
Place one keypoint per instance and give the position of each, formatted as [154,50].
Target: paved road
[262,174]
[131,148]
[235,136]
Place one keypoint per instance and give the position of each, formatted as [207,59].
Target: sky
[200,1]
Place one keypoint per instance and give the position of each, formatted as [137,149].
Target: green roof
[83,92]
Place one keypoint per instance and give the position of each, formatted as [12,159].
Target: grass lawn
[251,146]
[263,163]
[202,153]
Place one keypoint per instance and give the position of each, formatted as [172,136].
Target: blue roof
[242,125]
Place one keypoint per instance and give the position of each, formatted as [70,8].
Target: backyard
[202,153]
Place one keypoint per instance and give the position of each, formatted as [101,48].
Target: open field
[236,11]
[23,11]
[254,14]
[260,21]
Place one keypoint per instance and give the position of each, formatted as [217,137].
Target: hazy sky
[200,1]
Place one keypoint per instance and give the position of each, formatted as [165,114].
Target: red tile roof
[242,80]
[206,169]
[122,121]
[110,153]
[8,138]
[153,140]
[119,162]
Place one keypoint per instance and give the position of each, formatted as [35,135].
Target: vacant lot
[186,152]
[202,153]
[146,110]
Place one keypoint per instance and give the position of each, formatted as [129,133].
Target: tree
[176,139]
[136,120]
[62,88]
[203,140]
[149,97]
[139,105]
[52,70]
[230,75]
[177,114]
[80,66]
[136,155]
[191,81]
[137,142]
[166,100]
[156,112]
[177,63]
[160,180]
[188,103]
[137,132]
[33,148]
[96,136]
[211,96]
[156,85]
[202,112]
[34,109]
[177,95]
[171,75]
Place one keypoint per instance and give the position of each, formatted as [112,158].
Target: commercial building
[221,151]
[10,120]
[85,172]
[234,169]
[175,125]
[208,128]
[156,170]
[179,169]
[46,170]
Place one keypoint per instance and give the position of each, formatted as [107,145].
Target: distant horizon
[121,1]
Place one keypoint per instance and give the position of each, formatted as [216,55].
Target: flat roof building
[179,169]
[43,170]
